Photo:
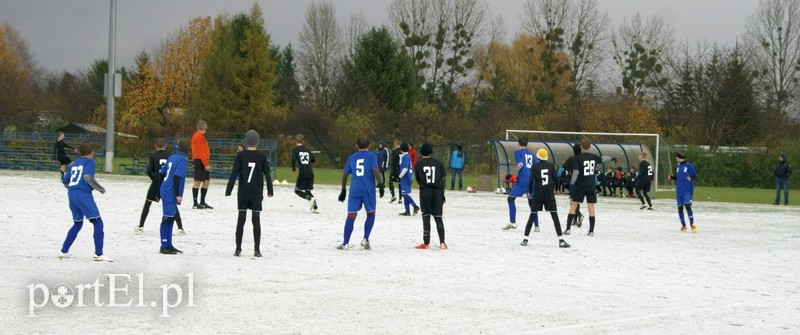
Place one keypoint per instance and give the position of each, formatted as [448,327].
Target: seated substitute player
[525,160]
[684,188]
[406,177]
[631,180]
[174,172]
[156,162]
[541,187]
[584,167]
[363,165]
[643,181]
[248,168]
[302,158]
[80,183]
[430,175]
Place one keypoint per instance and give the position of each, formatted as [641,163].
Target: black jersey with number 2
[302,159]
[586,164]
[430,174]
[250,168]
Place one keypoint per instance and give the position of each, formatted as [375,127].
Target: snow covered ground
[740,274]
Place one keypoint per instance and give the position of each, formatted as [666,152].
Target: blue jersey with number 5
[175,166]
[74,176]
[360,165]
[527,159]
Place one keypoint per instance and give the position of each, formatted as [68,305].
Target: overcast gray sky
[69,35]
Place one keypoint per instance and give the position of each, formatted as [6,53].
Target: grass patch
[730,194]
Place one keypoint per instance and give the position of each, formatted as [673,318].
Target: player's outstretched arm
[237,168]
[93,183]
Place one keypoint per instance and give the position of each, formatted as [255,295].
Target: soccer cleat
[416,210]
[524,242]
[694,229]
[343,247]
[181,232]
[312,204]
[405,214]
[393,199]
[196,206]
[510,225]
[167,251]
[563,244]
[62,255]
[591,233]
[643,207]
[102,258]
[175,250]
[314,211]
[138,230]
[649,208]
[257,253]
[683,229]
[580,221]
[566,232]
[536,230]
[237,253]
[443,246]
[365,245]
[422,246]
[206,206]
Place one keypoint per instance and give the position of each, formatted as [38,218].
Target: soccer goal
[624,147]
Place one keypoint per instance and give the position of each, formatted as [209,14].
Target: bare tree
[357,26]
[320,54]
[412,23]
[640,47]
[483,56]
[773,37]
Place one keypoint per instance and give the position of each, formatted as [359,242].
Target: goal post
[624,147]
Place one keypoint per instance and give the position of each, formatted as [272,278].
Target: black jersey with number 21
[429,173]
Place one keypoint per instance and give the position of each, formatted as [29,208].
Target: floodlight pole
[112,45]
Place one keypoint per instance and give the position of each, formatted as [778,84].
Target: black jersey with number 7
[250,168]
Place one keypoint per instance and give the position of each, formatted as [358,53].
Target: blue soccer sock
[408,201]
[348,229]
[72,234]
[369,224]
[536,220]
[680,214]
[690,214]
[166,232]
[406,204]
[512,210]
[98,236]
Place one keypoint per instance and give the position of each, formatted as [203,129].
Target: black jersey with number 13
[429,173]
[251,167]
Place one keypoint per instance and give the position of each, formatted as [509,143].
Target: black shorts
[590,194]
[249,204]
[154,192]
[64,161]
[393,178]
[304,184]
[644,187]
[546,202]
[431,201]
[200,172]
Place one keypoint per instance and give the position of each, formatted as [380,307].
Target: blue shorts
[684,199]
[405,187]
[169,207]
[82,205]
[354,203]
[518,190]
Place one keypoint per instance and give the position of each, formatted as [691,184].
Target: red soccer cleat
[422,246]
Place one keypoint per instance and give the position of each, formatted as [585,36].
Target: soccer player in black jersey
[60,153]
[568,169]
[301,160]
[543,176]
[394,171]
[250,168]
[583,171]
[157,160]
[430,175]
[643,181]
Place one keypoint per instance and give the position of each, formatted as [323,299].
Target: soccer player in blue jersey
[525,160]
[406,177]
[684,188]
[79,181]
[363,165]
[174,172]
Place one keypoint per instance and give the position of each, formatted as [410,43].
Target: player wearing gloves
[363,165]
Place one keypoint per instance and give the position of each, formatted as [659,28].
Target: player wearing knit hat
[430,175]
[541,186]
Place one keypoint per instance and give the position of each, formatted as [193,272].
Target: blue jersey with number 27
[175,166]
[74,175]
[360,165]
[527,159]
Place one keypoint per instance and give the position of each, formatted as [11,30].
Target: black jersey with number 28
[250,168]
[586,164]
[429,173]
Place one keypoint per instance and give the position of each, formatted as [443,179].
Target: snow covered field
[740,274]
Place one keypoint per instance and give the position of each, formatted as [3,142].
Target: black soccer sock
[145,211]
[556,223]
[309,196]
[257,230]
[300,193]
[178,219]
[647,196]
[578,210]
[570,218]
[391,189]
[591,224]
[194,194]
[203,192]
[529,225]
[439,227]
[240,228]
[639,194]
[426,229]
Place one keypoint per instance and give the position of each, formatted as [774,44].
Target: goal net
[624,147]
